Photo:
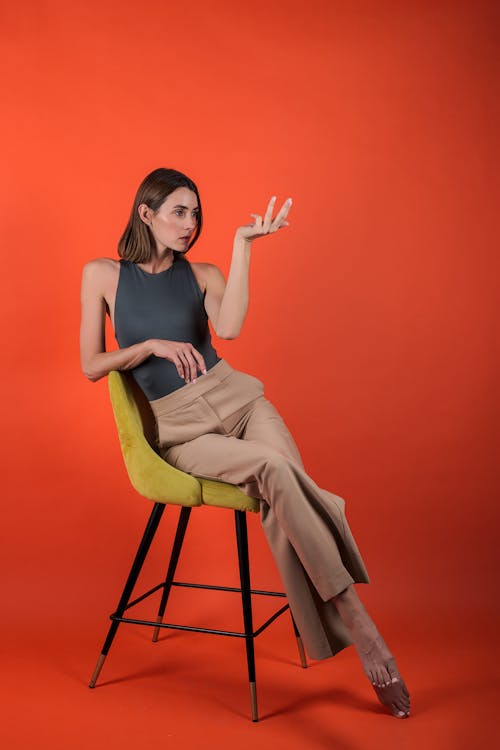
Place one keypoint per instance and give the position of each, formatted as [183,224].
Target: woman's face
[176,218]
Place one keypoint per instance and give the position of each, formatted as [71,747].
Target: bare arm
[227,305]
[96,362]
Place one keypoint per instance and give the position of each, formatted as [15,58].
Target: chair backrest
[148,472]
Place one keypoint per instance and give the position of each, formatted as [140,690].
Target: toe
[395,676]
[404,689]
[381,677]
[400,705]
[387,677]
[397,711]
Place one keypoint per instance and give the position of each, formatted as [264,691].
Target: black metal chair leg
[174,558]
[151,527]
[300,645]
[246,597]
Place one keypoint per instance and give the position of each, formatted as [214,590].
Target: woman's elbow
[90,376]
[227,334]
[90,373]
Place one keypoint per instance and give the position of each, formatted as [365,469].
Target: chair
[155,479]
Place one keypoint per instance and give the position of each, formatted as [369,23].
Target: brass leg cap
[157,629]
[97,669]
[253,701]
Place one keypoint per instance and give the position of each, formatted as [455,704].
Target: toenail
[401,713]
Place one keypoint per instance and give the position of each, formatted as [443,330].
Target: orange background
[371,323]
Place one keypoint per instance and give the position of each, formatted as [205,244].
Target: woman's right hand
[184,356]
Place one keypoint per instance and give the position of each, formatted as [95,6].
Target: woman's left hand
[260,228]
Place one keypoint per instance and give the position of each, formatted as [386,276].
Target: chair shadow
[335,695]
[154,670]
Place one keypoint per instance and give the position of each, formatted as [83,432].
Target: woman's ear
[145,213]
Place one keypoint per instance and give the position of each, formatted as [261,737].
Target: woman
[218,424]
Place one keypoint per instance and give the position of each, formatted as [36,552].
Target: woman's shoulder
[99,267]
[205,269]
[102,263]
[209,276]
[99,275]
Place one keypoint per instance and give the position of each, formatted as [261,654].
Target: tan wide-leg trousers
[222,427]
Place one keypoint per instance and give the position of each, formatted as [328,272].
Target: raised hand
[261,227]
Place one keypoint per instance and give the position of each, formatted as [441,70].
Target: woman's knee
[275,463]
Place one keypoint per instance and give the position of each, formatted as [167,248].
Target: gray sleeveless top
[166,305]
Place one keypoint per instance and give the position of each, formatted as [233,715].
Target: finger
[269,214]
[180,369]
[201,362]
[193,370]
[258,218]
[283,212]
[185,366]
[280,226]
[179,363]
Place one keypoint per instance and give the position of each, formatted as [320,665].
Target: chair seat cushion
[149,473]
[223,495]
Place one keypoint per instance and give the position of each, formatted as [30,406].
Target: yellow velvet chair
[162,483]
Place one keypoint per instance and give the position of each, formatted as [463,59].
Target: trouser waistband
[188,392]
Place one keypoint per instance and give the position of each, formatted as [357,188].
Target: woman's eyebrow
[196,208]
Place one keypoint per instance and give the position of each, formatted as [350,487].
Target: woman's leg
[266,424]
[377,661]
[305,526]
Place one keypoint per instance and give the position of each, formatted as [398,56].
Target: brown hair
[137,242]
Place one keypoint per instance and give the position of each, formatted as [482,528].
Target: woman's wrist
[149,346]
[242,242]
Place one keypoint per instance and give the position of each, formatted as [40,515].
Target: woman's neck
[158,263]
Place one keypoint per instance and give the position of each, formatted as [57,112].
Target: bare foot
[380,667]
[377,661]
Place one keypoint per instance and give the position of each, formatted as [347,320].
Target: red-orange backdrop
[371,318]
